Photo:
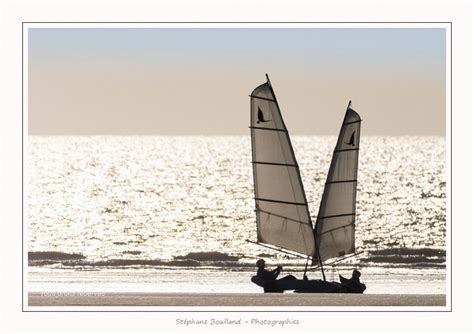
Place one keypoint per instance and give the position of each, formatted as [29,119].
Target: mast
[322,268]
[305,268]
[319,255]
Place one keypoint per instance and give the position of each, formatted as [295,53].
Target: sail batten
[283,218]
[346,149]
[262,98]
[274,163]
[340,181]
[277,201]
[334,216]
[261,128]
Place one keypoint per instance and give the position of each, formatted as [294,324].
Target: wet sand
[231,299]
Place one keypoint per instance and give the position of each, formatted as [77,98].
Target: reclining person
[269,277]
[352,284]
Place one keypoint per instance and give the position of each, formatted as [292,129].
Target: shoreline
[231,299]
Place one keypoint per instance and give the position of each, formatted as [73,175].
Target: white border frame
[334,25]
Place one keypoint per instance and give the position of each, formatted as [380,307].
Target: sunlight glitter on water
[158,198]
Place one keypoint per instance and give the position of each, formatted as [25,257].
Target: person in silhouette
[352,284]
[269,277]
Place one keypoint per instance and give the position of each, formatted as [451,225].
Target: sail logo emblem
[351,140]
[260,117]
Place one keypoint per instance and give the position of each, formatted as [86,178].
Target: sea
[175,213]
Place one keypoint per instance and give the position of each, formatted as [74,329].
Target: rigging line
[280,250]
[337,261]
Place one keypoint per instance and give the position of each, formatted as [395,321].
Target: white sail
[283,218]
[335,225]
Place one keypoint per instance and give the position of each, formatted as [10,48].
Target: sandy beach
[232,299]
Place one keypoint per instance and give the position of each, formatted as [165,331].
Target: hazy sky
[162,81]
